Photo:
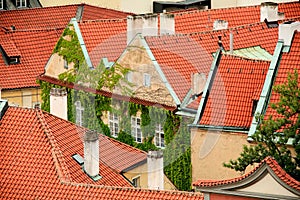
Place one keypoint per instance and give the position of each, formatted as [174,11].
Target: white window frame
[128,76]
[159,136]
[21,3]
[136,130]
[78,113]
[1,4]
[113,121]
[147,80]
[136,181]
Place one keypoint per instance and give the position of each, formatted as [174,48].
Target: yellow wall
[210,149]
[141,171]
[25,97]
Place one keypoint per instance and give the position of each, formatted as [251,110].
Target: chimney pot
[59,103]
[155,164]
[91,153]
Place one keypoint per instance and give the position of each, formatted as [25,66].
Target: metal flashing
[82,44]
[208,85]
[267,88]
[159,70]
[3,107]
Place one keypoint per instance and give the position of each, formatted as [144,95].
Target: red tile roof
[274,166]
[203,20]
[93,12]
[35,163]
[230,99]
[36,34]
[179,57]
[34,47]
[104,38]
[289,62]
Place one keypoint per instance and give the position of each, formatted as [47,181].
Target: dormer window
[2,6]
[21,3]
[14,60]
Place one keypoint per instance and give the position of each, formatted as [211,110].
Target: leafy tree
[273,134]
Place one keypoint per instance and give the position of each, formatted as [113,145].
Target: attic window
[13,60]
[21,3]
[147,80]
[2,4]
[78,159]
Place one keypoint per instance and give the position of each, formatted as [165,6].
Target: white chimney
[220,24]
[146,24]
[269,11]
[59,103]
[167,24]
[155,164]
[286,32]
[91,153]
[198,83]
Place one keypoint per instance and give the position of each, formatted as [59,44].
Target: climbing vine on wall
[177,158]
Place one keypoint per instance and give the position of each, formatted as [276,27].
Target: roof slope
[230,100]
[93,12]
[34,48]
[104,38]
[289,62]
[179,56]
[203,20]
[34,163]
[269,161]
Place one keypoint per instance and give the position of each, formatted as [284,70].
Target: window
[21,3]
[159,136]
[136,181]
[14,60]
[1,4]
[128,76]
[66,65]
[114,124]
[36,105]
[147,80]
[136,131]
[79,113]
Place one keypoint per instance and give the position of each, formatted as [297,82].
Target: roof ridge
[34,29]
[185,193]
[42,8]
[103,20]
[268,160]
[57,156]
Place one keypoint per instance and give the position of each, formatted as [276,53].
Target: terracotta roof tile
[179,57]
[104,38]
[202,20]
[230,99]
[30,164]
[280,173]
[289,62]
[93,12]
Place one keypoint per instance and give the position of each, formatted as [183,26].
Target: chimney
[155,164]
[167,24]
[220,24]
[286,32]
[146,24]
[91,153]
[58,103]
[198,83]
[269,11]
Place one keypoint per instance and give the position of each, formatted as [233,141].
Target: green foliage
[273,135]
[147,145]
[177,158]
[125,138]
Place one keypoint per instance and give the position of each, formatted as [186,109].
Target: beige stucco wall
[55,66]
[210,149]
[25,97]
[141,171]
[137,59]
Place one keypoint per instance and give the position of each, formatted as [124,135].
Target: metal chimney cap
[91,135]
